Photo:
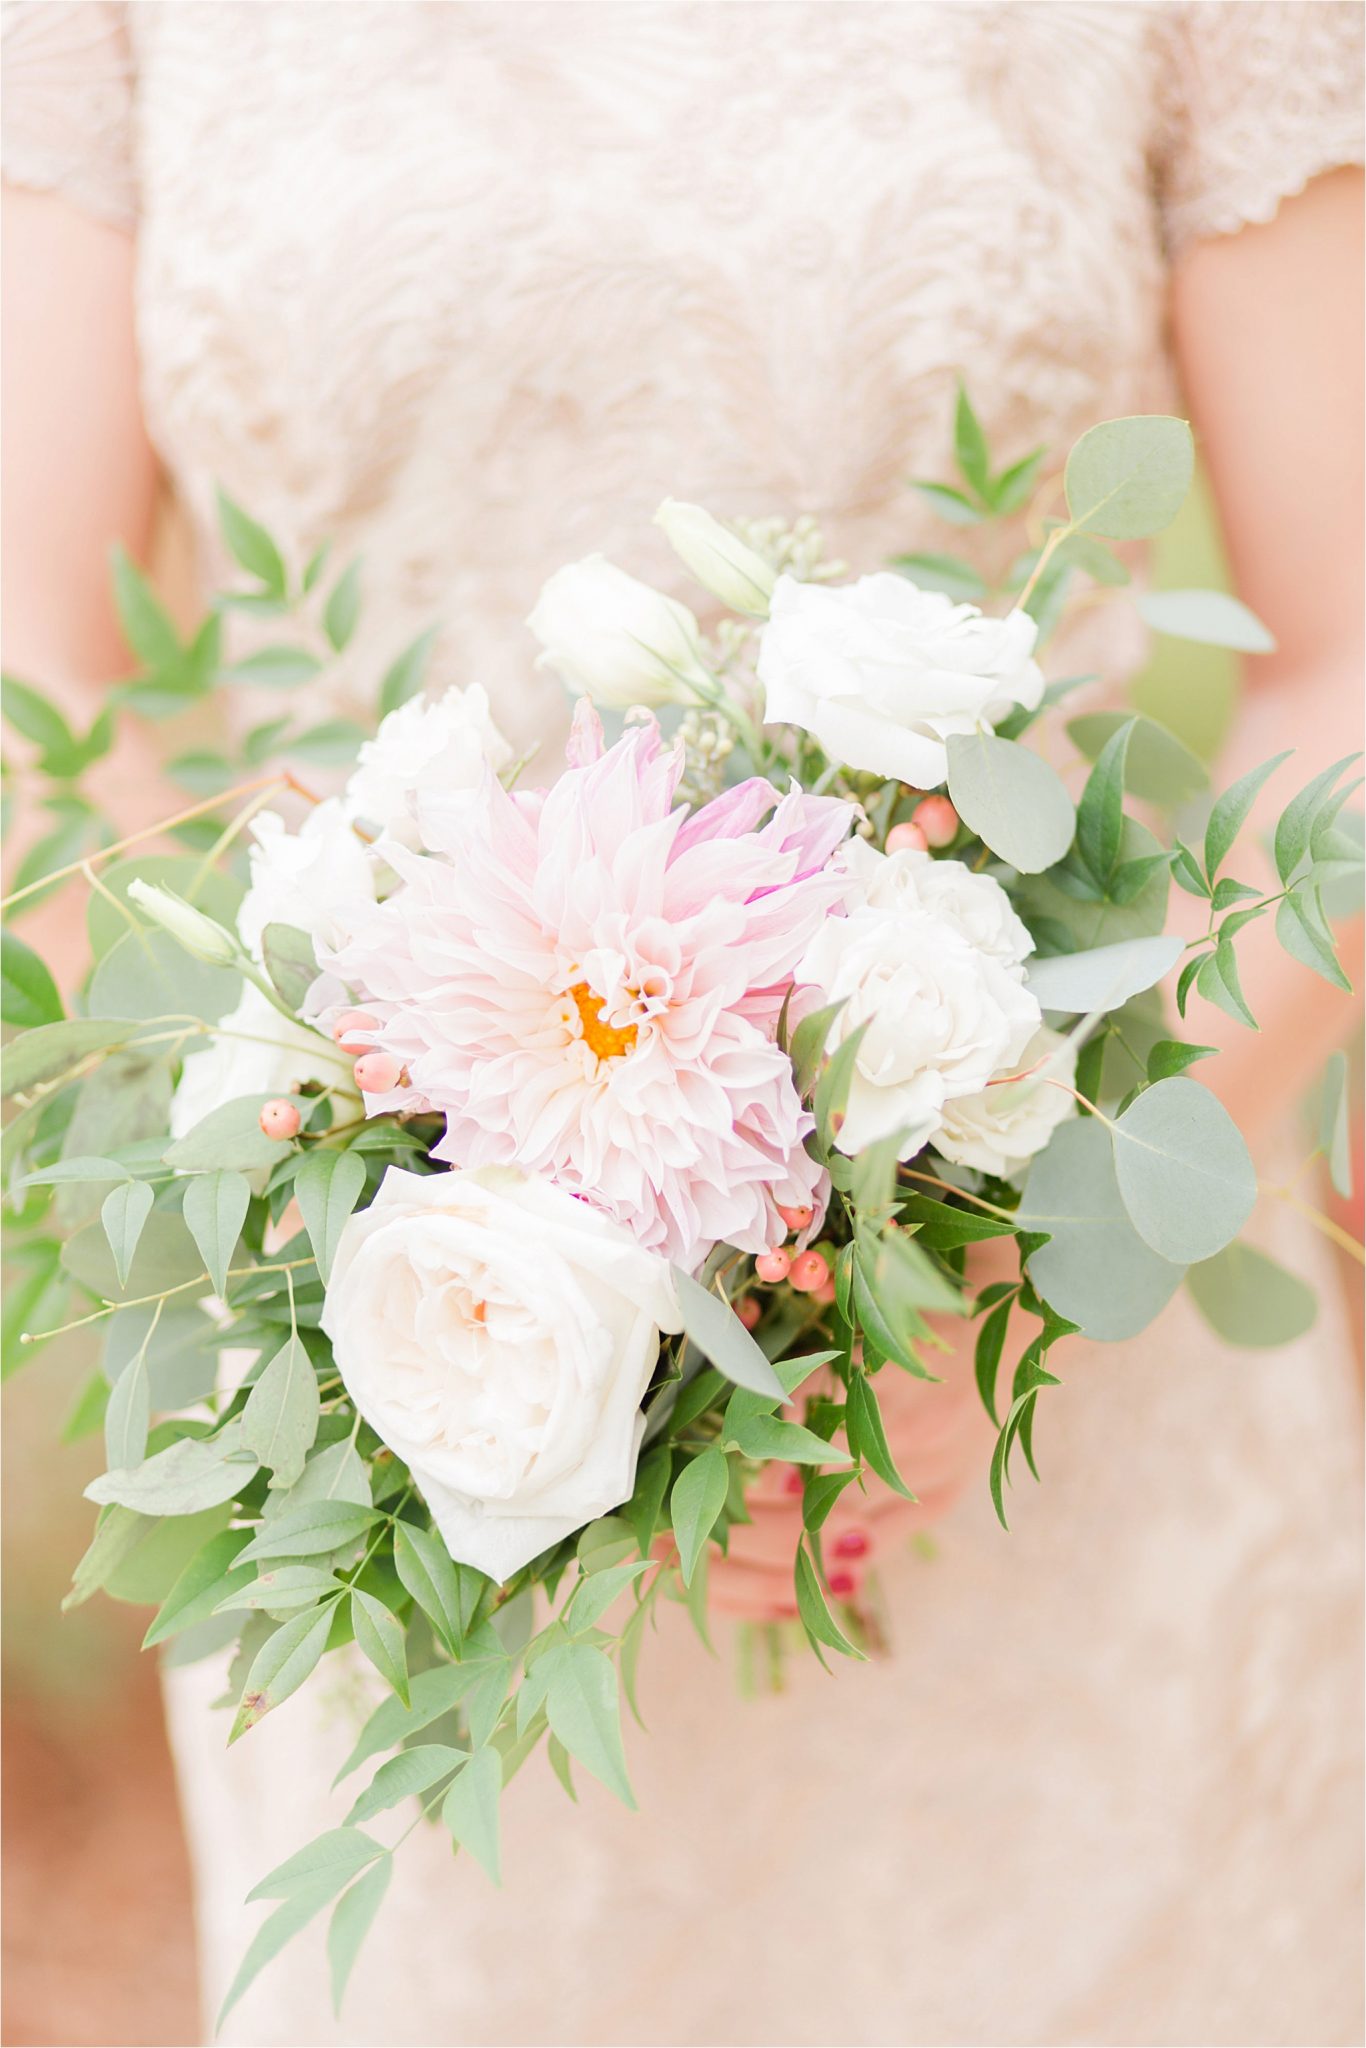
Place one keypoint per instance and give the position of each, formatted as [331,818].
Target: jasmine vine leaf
[278,1588]
[957,579]
[208,1578]
[868,1436]
[1183,1170]
[350,1923]
[1335,1140]
[310,1530]
[584,1713]
[1209,616]
[280,1420]
[940,1227]
[1296,821]
[1015,803]
[284,1923]
[819,1494]
[188,1475]
[427,1571]
[28,994]
[1250,1300]
[717,1331]
[1170,1056]
[595,1594]
[251,546]
[807,1045]
[431,1693]
[1128,478]
[1230,812]
[1158,767]
[699,1494]
[342,610]
[379,1635]
[215,1207]
[470,1810]
[652,1483]
[1216,977]
[404,1776]
[1100,814]
[281,1665]
[335,1857]
[403,679]
[949,503]
[990,1344]
[1305,934]
[815,1615]
[970,444]
[328,1186]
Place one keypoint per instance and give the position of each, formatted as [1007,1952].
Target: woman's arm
[1268,335]
[78,470]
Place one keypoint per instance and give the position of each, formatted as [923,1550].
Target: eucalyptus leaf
[718,1333]
[52,1050]
[1250,1300]
[1128,478]
[1183,1170]
[1096,1269]
[290,961]
[1335,1138]
[28,994]
[1076,984]
[1015,803]
[1209,616]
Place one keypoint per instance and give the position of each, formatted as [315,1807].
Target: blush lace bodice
[470,288]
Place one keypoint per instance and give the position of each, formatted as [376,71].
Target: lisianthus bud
[615,640]
[203,936]
[719,558]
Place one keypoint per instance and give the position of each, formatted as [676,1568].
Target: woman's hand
[940,1439]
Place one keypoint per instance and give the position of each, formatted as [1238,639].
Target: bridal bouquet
[478,1185]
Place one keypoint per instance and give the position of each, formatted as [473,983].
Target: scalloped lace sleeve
[68,105]
[1260,98]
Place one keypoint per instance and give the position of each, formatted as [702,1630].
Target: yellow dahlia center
[600,1038]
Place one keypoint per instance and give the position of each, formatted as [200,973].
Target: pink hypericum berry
[907,839]
[773,1266]
[280,1119]
[824,1295]
[796,1220]
[809,1271]
[853,1543]
[843,1584]
[748,1310]
[376,1073]
[793,1481]
[353,1020]
[938,820]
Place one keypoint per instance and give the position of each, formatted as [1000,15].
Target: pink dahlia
[586,985]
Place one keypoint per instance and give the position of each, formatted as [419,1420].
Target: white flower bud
[202,936]
[617,641]
[717,556]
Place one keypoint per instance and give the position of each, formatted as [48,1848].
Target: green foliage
[718,1332]
[698,1496]
[1012,799]
[1248,1299]
[1127,479]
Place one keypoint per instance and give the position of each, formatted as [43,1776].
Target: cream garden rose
[499,1336]
[1000,1130]
[932,962]
[617,641]
[882,672]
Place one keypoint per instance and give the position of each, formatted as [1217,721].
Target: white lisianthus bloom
[314,879]
[882,672]
[499,1336]
[617,641]
[423,762]
[718,557]
[1000,1130]
[945,1011]
[254,1050]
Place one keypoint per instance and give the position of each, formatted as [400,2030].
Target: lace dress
[470,288]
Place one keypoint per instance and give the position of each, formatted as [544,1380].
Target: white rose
[499,1336]
[423,763]
[881,672]
[254,1051]
[314,879]
[1001,1129]
[944,1012]
[721,561]
[617,641]
[976,904]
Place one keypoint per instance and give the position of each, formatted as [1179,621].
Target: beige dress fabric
[470,288]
